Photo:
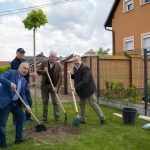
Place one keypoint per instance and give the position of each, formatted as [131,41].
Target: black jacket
[83,81]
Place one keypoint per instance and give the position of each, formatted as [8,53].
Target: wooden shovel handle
[73,95]
[55,92]
[26,106]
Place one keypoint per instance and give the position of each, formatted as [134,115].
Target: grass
[114,136]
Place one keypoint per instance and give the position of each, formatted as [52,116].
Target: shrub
[3,69]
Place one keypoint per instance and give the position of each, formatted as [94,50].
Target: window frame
[142,2]
[128,39]
[144,35]
[125,6]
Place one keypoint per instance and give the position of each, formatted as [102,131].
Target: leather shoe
[57,119]
[29,120]
[103,122]
[19,141]
[44,119]
[3,146]
[83,122]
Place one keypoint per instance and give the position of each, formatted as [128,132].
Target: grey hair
[25,62]
[53,53]
[76,55]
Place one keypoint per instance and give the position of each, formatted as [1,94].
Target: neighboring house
[90,52]
[65,65]
[39,58]
[130,25]
[3,63]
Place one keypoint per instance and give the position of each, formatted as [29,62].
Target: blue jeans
[17,111]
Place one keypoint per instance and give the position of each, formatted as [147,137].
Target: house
[130,25]
[39,58]
[3,63]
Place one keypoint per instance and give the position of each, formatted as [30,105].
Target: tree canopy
[35,19]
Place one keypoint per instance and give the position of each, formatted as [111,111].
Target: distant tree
[35,19]
[103,51]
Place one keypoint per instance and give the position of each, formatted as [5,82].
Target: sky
[73,27]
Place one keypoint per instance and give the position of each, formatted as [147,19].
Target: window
[145,2]
[128,43]
[128,5]
[145,40]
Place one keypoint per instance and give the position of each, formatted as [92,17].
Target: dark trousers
[94,105]
[29,100]
[17,111]
[45,97]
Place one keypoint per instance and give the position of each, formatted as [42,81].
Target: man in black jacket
[85,88]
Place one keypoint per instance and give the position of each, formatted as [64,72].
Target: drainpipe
[113,39]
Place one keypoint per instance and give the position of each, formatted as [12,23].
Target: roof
[31,58]
[90,52]
[3,63]
[108,22]
[40,55]
[67,57]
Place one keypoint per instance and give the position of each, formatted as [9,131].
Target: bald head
[24,68]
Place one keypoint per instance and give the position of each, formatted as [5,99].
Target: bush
[115,89]
[133,94]
[3,69]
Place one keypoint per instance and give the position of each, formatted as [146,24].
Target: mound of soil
[54,133]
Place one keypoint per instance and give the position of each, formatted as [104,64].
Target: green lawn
[114,136]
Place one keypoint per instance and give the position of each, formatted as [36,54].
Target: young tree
[103,51]
[35,19]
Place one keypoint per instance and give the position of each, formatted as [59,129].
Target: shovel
[76,120]
[39,127]
[65,121]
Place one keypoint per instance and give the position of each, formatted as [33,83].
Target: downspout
[113,39]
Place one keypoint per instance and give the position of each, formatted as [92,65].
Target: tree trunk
[35,88]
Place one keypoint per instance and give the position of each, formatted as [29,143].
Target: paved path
[64,98]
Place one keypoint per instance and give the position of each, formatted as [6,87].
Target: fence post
[98,82]
[145,81]
[91,63]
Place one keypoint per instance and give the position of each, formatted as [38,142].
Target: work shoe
[19,141]
[29,120]
[57,119]
[103,122]
[3,146]
[83,121]
[44,119]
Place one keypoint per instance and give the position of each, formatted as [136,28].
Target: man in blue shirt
[9,102]
[20,54]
